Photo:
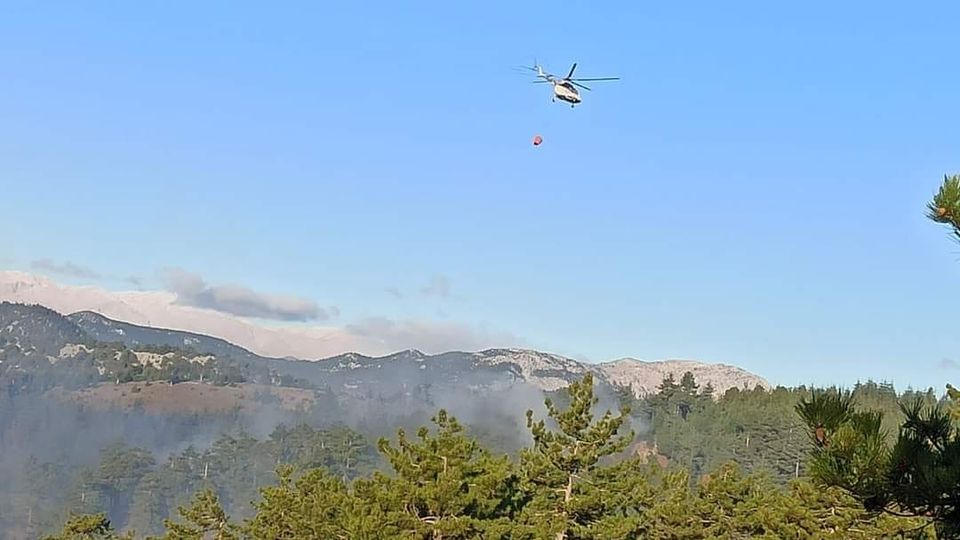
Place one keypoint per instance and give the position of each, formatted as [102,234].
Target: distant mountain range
[99,312]
[44,333]
[41,349]
[108,330]
[161,309]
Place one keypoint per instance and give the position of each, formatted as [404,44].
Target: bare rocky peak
[645,377]
[551,372]
[530,360]
[544,370]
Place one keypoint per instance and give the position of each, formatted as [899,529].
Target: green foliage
[139,494]
[757,429]
[574,481]
[203,520]
[849,445]
[42,498]
[149,507]
[317,505]
[338,449]
[566,485]
[926,464]
[953,401]
[559,471]
[945,206]
[88,527]
[445,484]
[919,475]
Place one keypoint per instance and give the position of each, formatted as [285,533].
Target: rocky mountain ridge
[411,368]
[146,313]
[42,349]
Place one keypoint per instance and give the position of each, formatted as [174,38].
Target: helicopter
[565,89]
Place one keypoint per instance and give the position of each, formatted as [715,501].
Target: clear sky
[751,192]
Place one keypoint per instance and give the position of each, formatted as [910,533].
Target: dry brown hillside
[187,397]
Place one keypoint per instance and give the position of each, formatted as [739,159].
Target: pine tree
[831,513]
[87,496]
[446,486]
[689,384]
[43,496]
[149,507]
[318,506]
[643,501]
[182,477]
[121,469]
[953,402]
[88,527]
[204,520]
[349,452]
[227,465]
[560,471]
[945,206]
[919,475]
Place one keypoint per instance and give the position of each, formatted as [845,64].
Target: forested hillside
[745,446]
[571,481]
[127,432]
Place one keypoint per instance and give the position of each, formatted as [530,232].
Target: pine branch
[945,206]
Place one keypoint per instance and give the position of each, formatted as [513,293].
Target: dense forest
[681,463]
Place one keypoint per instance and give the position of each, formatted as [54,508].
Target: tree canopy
[577,479]
[917,473]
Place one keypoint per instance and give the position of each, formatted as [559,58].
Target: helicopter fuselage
[565,91]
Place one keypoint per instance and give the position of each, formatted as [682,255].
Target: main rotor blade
[573,67]
[580,85]
[597,79]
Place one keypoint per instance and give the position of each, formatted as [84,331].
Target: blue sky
[751,192]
